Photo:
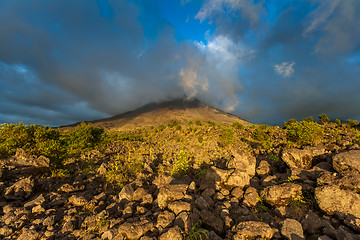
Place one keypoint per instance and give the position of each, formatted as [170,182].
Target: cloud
[337,22]
[285,69]
[26,98]
[231,17]
[214,77]
[249,9]
[191,83]
[102,57]
[80,56]
[66,61]
[325,76]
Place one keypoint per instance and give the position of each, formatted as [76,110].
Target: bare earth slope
[155,114]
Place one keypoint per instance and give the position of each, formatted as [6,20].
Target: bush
[173,124]
[288,123]
[48,143]
[123,171]
[211,124]
[238,125]
[33,139]
[226,136]
[128,137]
[304,132]
[323,118]
[261,133]
[352,123]
[308,119]
[181,165]
[14,136]
[160,128]
[83,137]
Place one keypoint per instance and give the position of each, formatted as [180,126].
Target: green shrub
[323,118]
[181,165]
[160,128]
[261,133]
[123,171]
[291,121]
[273,157]
[83,137]
[48,143]
[308,119]
[128,137]
[14,136]
[226,136]
[238,125]
[357,138]
[352,123]
[211,124]
[304,132]
[197,233]
[173,124]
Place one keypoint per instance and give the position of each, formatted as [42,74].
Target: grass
[126,152]
[196,233]
[181,165]
[261,205]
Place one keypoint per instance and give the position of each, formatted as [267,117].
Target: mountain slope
[155,114]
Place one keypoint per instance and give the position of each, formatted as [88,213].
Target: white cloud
[285,69]
[214,77]
[191,82]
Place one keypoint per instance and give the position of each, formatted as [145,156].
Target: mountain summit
[156,114]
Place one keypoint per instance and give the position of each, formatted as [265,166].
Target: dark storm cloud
[24,97]
[89,52]
[336,22]
[267,61]
[106,56]
[324,80]
[305,61]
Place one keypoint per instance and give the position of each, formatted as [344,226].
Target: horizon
[63,62]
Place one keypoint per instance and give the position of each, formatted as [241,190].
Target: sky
[65,61]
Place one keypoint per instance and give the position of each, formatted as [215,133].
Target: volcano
[156,114]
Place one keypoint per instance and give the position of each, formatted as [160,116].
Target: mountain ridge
[162,113]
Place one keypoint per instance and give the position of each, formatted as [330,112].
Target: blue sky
[266,61]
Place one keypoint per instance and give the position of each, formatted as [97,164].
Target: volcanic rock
[345,161]
[252,230]
[170,193]
[281,195]
[332,199]
[292,229]
[301,158]
[133,230]
[20,190]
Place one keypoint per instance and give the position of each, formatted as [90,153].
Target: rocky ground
[308,193]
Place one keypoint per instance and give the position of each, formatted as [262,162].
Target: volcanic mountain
[156,114]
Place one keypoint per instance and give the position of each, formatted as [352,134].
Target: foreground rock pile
[309,193]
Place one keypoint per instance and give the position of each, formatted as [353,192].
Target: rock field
[246,198]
